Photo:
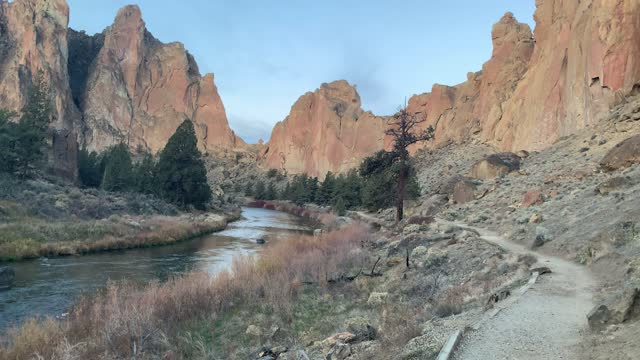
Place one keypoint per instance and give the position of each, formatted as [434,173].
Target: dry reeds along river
[49,286]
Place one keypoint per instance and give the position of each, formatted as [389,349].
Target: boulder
[613,185]
[532,198]
[7,277]
[623,155]
[464,191]
[419,252]
[254,331]
[343,337]
[362,329]
[339,352]
[617,310]
[378,298]
[495,165]
[536,218]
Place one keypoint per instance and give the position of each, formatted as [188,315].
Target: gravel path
[547,322]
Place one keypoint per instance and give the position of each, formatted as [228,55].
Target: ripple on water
[49,286]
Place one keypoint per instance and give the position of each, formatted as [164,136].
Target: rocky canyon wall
[122,85]
[536,88]
[139,90]
[326,130]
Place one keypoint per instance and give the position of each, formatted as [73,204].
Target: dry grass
[125,321]
[35,238]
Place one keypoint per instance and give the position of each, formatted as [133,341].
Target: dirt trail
[547,322]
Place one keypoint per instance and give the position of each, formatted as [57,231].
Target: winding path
[547,322]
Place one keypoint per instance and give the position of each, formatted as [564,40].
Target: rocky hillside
[326,130]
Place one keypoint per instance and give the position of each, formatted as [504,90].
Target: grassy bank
[46,218]
[33,238]
[195,316]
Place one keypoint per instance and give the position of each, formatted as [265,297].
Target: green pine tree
[31,131]
[248,190]
[118,172]
[145,175]
[89,168]
[8,142]
[260,191]
[327,190]
[181,171]
[339,207]
[272,192]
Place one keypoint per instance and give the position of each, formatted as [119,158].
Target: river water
[50,286]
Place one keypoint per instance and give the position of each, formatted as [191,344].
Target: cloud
[250,130]
[361,67]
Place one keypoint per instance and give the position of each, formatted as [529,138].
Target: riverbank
[40,218]
[37,238]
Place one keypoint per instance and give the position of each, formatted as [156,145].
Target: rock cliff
[537,88]
[326,130]
[139,90]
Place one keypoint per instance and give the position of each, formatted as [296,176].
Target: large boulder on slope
[495,165]
[623,155]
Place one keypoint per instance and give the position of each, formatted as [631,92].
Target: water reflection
[49,286]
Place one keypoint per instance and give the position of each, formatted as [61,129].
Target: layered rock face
[326,130]
[33,38]
[139,90]
[475,107]
[531,93]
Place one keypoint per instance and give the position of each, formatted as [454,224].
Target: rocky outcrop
[139,90]
[495,165]
[529,94]
[474,107]
[33,38]
[326,130]
[623,155]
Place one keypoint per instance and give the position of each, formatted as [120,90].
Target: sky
[266,54]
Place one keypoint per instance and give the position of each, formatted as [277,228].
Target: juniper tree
[404,129]
[181,172]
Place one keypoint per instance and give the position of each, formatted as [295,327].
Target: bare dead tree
[404,128]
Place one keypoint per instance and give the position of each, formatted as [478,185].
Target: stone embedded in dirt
[362,329]
[532,198]
[464,191]
[419,252]
[617,310]
[614,184]
[495,165]
[536,218]
[343,337]
[623,155]
[541,270]
[339,352]
[378,298]
[253,330]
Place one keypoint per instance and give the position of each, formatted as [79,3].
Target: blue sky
[265,54]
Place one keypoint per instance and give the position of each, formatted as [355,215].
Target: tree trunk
[402,180]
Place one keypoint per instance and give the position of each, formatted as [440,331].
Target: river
[50,286]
